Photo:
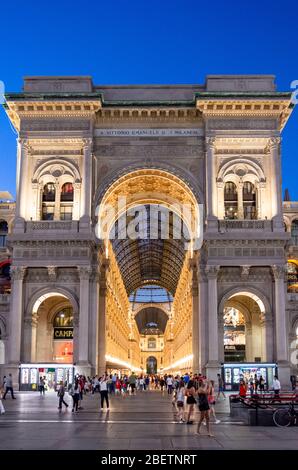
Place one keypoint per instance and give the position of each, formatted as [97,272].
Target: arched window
[49,192]
[292,276]
[151,343]
[66,201]
[67,192]
[231,200]
[294,231]
[3,232]
[48,201]
[234,335]
[249,201]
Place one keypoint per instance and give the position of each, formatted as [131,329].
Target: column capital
[273,143]
[31,321]
[212,271]
[278,272]
[87,142]
[17,273]
[210,141]
[84,272]
[24,142]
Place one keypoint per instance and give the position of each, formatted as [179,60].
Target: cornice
[26,108]
[276,105]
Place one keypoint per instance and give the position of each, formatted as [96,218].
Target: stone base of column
[19,225]
[212,369]
[212,224]
[284,374]
[83,368]
[14,370]
[85,224]
[101,369]
[278,224]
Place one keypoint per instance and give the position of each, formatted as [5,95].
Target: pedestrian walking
[276,386]
[9,387]
[220,387]
[75,392]
[2,409]
[60,394]
[103,387]
[190,400]
[42,385]
[204,408]
[212,401]
[180,401]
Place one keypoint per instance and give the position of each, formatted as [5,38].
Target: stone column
[83,362]
[240,210]
[213,366]
[57,201]
[34,205]
[203,318]
[248,342]
[267,337]
[86,184]
[195,320]
[76,201]
[211,183]
[281,335]
[221,199]
[275,178]
[22,182]
[30,330]
[102,319]
[93,335]
[16,320]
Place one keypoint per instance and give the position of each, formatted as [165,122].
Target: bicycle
[284,417]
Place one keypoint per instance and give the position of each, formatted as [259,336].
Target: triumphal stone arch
[148,231]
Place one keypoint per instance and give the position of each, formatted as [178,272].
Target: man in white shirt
[276,386]
[103,387]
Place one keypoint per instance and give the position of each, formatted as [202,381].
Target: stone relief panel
[54,125]
[242,124]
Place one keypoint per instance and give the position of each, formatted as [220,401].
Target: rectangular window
[48,212]
[66,212]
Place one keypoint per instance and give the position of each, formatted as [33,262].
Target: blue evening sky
[156,41]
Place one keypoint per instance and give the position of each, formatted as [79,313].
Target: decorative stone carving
[52,273]
[212,271]
[17,273]
[278,272]
[245,272]
[84,272]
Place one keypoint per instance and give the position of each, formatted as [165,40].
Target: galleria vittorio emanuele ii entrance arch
[149,231]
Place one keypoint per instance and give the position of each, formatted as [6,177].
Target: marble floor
[145,421]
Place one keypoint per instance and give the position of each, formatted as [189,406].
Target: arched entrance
[149,221]
[151,365]
[246,337]
[49,339]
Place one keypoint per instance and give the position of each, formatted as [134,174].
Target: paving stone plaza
[146,421]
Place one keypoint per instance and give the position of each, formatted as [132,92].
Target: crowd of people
[185,391]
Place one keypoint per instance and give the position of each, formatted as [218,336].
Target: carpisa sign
[63,333]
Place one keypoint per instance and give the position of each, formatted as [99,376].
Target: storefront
[232,373]
[52,373]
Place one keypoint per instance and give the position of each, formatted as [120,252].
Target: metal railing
[47,225]
[234,224]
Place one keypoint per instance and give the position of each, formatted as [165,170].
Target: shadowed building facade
[81,302]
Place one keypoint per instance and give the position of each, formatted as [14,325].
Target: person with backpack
[60,394]
[75,392]
[180,394]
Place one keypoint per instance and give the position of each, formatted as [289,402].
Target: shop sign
[63,333]
[293,278]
